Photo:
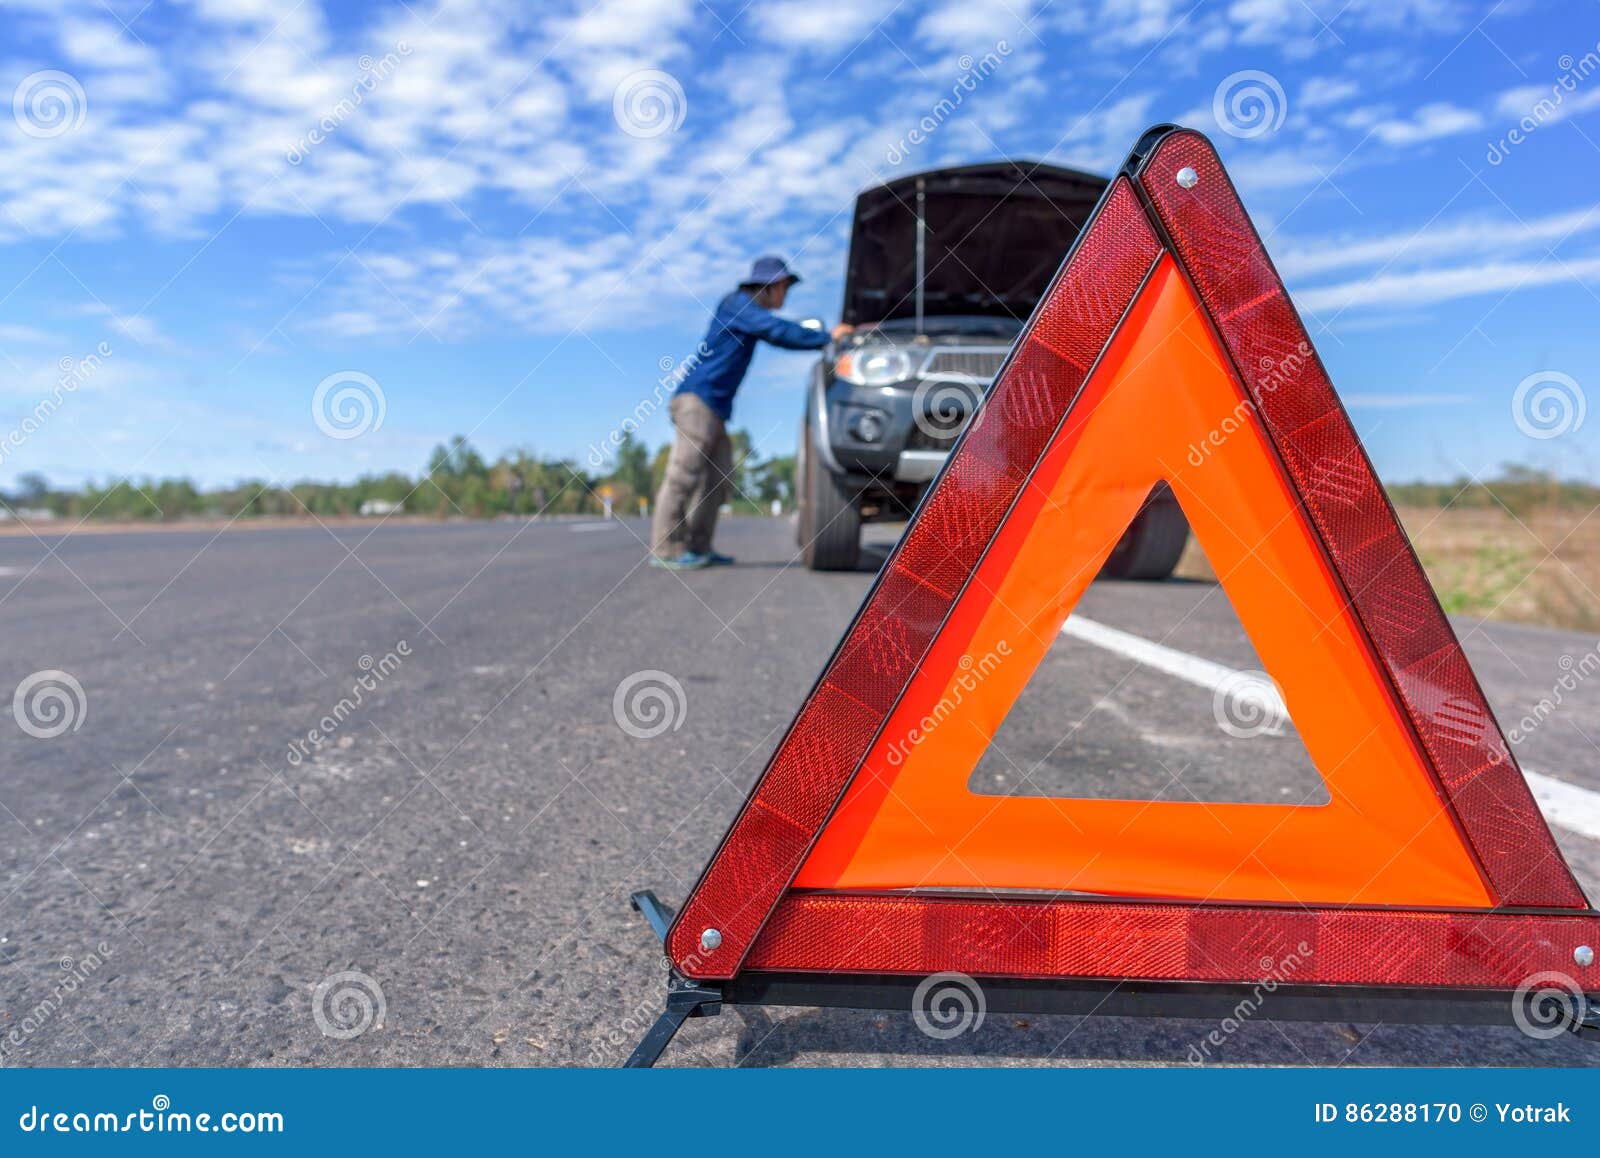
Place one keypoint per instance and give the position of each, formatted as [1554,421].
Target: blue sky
[511,216]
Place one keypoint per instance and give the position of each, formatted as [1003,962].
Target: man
[702,457]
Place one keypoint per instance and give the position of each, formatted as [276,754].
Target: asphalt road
[179,877]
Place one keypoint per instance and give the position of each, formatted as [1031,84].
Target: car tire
[1154,541]
[830,515]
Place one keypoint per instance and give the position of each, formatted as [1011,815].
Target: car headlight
[874,366]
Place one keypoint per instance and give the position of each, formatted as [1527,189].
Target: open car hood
[996,233]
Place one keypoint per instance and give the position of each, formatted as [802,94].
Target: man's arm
[769,327]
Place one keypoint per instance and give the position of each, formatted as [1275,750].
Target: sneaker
[721,560]
[688,561]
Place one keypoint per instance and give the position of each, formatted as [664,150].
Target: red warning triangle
[1166,350]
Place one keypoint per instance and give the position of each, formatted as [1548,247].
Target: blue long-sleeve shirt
[730,342]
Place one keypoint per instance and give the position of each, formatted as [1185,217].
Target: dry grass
[1542,567]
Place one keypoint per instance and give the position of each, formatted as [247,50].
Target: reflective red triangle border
[744,890]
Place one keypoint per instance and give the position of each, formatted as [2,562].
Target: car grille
[952,380]
[972,363]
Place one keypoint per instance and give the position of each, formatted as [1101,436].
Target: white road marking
[1574,808]
[1189,668]
[577,527]
[6,571]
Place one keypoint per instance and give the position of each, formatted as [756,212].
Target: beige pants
[696,484]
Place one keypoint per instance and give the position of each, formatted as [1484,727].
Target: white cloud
[101,44]
[278,120]
[819,23]
[603,43]
[1283,168]
[1324,91]
[1478,235]
[1432,121]
[1423,287]
[625,24]
[1299,28]
[1545,104]
[23,335]
[141,330]
[1142,21]
[1100,137]
[302,21]
[1441,261]
[493,104]
[976,25]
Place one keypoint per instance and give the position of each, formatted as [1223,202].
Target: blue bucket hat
[769,271]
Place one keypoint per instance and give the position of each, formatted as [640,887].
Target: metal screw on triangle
[1583,955]
[1188,178]
[710,939]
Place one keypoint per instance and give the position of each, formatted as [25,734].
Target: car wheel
[1153,542]
[830,515]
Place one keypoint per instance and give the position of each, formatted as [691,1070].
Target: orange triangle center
[1161,405]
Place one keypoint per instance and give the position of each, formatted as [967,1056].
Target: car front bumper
[919,466]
